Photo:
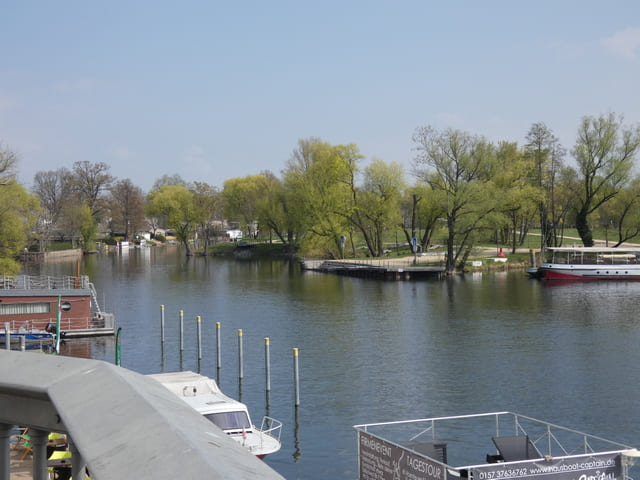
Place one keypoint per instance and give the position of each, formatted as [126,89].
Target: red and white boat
[590,263]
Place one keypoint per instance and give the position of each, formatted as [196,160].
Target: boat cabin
[487,446]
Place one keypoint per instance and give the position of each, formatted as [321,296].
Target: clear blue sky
[213,90]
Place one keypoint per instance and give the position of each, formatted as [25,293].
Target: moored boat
[203,395]
[32,338]
[488,446]
[590,263]
[31,302]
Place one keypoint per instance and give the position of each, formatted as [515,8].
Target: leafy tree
[622,214]
[274,211]
[126,207]
[376,204]
[519,199]
[207,202]
[318,179]
[242,197]
[458,166]
[420,210]
[176,203]
[604,152]
[18,215]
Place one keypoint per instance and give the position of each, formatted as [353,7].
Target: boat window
[230,420]
[24,308]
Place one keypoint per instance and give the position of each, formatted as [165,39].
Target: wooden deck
[397,269]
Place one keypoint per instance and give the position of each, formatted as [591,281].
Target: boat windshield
[230,420]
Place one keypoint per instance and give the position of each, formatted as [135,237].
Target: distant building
[235,234]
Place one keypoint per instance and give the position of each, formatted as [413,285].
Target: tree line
[464,189]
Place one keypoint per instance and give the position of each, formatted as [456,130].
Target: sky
[214,90]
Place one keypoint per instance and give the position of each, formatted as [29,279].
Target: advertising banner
[606,466]
[381,460]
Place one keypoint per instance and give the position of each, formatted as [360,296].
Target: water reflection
[375,351]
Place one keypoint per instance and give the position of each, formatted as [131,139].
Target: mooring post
[181,331]
[23,343]
[218,352]
[199,337]
[296,377]
[240,356]
[162,325]
[7,336]
[267,364]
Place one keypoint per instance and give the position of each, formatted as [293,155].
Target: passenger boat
[488,446]
[203,395]
[589,263]
[31,303]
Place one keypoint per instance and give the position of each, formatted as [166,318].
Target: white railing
[43,282]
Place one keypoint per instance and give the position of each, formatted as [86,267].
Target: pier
[383,269]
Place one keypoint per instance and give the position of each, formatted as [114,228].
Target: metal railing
[43,282]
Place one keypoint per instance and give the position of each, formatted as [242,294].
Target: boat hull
[589,272]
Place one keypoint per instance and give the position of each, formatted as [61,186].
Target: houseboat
[203,395]
[488,446]
[34,303]
[589,263]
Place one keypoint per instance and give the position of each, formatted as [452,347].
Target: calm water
[375,351]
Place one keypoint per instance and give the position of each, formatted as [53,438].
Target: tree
[175,202]
[174,179]
[18,214]
[622,214]
[544,150]
[318,179]
[419,210]
[126,207]
[241,199]
[376,203]
[458,166]
[53,189]
[207,202]
[8,162]
[604,152]
[89,180]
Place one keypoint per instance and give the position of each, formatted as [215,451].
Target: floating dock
[384,270]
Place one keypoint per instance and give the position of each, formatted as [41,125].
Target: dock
[383,269]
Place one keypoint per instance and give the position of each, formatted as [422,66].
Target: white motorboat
[204,396]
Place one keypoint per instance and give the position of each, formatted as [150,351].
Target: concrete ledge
[124,424]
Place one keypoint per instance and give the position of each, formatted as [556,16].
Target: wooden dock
[383,269]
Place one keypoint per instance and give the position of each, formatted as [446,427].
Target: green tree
[242,196]
[519,198]
[207,202]
[458,167]
[605,152]
[18,214]
[420,211]
[176,204]
[376,203]
[318,179]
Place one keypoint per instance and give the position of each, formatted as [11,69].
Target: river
[374,351]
